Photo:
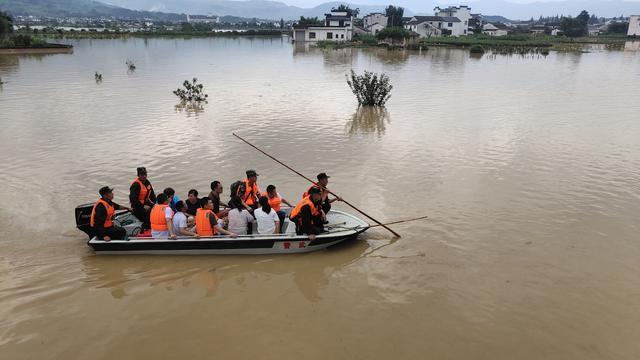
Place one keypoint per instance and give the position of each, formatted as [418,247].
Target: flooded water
[529,168]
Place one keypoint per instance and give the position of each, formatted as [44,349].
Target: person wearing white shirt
[266,217]
[239,217]
[180,225]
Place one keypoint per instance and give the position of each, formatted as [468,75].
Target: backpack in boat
[238,187]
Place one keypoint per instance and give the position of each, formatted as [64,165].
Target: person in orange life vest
[102,216]
[275,201]
[160,219]
[323,181]
[307,215]
[142,197]
[207,222]
[252,191]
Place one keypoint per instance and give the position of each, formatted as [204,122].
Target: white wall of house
[491,30]
[456,28]
[375,28]
[373,18]
[462,12]
[313,34]
[634,25]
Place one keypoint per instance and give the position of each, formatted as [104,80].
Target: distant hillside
[78,8]
[496,18]
[251,8]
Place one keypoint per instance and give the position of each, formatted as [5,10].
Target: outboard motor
[83,219]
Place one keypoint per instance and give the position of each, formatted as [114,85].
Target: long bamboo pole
[313,182]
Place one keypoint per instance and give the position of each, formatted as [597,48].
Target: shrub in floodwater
[476,49]
[98,77]
[370,88]
[131,65]
[191,92]
[544,52]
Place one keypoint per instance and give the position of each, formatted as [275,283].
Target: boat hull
[217,246]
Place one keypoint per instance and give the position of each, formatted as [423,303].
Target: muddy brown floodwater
[529,168]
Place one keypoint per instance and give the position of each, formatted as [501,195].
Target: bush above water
[370,88]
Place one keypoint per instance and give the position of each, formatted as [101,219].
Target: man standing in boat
[102,217]
[323,181]
[142,197]
[307,215]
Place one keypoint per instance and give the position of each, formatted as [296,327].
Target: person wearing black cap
[102,217]
[323,181]
[251,191]
[142,197]
[307,215]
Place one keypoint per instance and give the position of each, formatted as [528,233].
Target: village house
[537,29]
[374,18]
[495,29]
[463,13]
[475,22]
[452,21]
[634,25]
[338,26]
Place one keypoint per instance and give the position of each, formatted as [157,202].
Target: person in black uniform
[102,217]
[142,197]
[308,216]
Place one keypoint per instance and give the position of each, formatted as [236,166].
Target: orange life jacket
[250,193]
[108,222]
[158,221]
[275,202]
[295,213]
[203,222]
[306,193]
[145,191]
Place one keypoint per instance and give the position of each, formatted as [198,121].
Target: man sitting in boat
[181,221]
[214,195]
[307,215]
[142,197]
[275,201]
[102,216]
[207,222]
[251,191]
[160,218]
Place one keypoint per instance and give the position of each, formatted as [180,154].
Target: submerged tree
[191,91]
[98,77]
[192,97]
[131,65]
[370,88]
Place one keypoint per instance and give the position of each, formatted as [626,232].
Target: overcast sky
[417,5]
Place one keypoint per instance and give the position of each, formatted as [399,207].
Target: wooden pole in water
[313,182]
[402,221]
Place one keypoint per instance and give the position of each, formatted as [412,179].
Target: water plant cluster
[191,92]
[370,88]
[130,65]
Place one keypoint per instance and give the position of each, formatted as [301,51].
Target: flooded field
[529,168]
